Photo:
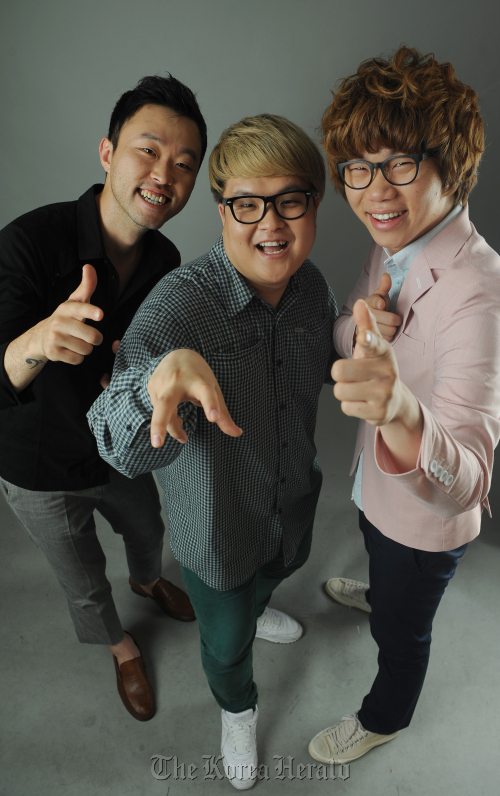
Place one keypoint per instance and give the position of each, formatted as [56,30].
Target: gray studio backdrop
[64,64]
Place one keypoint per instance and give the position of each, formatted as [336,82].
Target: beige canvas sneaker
[346,741]
[349,592]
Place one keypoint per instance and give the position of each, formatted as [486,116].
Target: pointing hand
[183,375]
[64,335]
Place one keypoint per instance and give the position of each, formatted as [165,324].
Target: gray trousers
[62,525]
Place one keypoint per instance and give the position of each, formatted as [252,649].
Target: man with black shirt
[72,276]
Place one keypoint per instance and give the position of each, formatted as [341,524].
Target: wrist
[409,414]
[407,420]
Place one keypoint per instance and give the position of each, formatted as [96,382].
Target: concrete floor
[65,732]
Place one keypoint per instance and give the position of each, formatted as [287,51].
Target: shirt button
[285,445]
[282,481]
[279,362]
[279,511]
[282,406]
[129,427]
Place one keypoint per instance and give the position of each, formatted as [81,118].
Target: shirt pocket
[310,351]
[244,380]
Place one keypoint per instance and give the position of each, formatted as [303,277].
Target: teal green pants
[227,622]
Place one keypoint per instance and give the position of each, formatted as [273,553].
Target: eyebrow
[392,152]
[292,187]
[183,151]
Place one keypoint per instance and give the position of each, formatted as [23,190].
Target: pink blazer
[448,353]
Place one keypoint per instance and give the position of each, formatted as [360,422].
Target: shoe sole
[275,640]
[340,760]
[346,600]
[245,784]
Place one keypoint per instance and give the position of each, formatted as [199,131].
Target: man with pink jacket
[421,367]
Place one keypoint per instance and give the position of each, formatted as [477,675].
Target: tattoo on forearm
[35,362]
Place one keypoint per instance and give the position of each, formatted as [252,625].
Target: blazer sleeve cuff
[447,477]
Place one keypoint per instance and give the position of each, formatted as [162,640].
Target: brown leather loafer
[134,688]
[172,600]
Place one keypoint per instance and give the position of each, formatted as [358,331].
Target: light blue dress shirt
[397,266]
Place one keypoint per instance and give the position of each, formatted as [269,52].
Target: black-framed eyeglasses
[398,170]
[251,209]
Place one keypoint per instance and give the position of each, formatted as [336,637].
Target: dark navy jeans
[406,586]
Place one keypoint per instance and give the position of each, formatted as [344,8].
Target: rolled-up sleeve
[21,299]
[120,419]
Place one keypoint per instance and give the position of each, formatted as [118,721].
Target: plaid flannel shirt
[230,501]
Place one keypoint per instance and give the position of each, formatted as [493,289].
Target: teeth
[152,198]
[273,243]
[386,216]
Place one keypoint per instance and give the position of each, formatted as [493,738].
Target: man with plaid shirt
[241,505]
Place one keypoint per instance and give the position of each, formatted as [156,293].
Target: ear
[317,200]
[222,214]
[105,154]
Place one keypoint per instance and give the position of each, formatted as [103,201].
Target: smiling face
[152,170]
[411,210]
[268,268]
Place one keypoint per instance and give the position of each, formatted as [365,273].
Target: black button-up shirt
[45,442]
[230,501]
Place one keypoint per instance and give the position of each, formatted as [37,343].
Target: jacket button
[449,481]
[438,471]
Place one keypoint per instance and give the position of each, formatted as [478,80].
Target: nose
[379,188]
[271,219]
[162,172]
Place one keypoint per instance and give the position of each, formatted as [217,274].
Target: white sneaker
[278,627]
[349,592]
[239,747]
[346,741]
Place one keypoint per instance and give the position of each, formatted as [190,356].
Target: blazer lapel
[418,281]
[439,253]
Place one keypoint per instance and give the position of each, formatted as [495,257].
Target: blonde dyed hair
[265,146]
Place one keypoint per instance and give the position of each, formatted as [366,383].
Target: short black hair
[156,90]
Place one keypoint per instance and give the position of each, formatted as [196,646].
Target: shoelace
[269,620]
[352,590]
[241,737]
[346,734]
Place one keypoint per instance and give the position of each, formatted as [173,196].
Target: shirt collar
[404,258]
[236,291]
[91,244]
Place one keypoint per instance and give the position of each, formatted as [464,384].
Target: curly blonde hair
[411,104]
[265,146]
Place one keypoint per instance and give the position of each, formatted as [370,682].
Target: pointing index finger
[369,341]
[81,311]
